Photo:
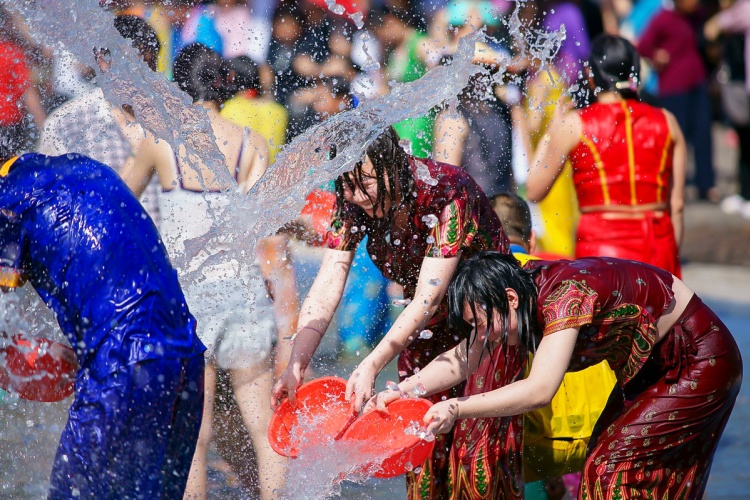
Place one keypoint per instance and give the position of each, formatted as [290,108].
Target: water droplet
[357,18]
[435,282]
[430,220]
[419,390]
[354,229]
[400,302]
[402,373]
[430,437]
[430,240]
[408,467]
[417,470]
[391,385]
[425,334]
[397,242]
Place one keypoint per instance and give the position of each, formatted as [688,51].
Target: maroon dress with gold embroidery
[658,433]
[447,215]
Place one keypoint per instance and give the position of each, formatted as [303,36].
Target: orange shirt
[624,156]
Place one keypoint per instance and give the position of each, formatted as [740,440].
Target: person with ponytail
[628,163]
[679,369]
[421,218]
[237,321]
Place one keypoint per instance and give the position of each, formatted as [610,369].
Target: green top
[418,131]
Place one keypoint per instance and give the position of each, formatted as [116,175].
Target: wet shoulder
[439,183]
[613,281]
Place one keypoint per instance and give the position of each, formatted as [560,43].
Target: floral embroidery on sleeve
[571,305]
[455,230]
[344,233]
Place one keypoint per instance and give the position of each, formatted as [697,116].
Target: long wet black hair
[615,65]
[480,281]
[387,157]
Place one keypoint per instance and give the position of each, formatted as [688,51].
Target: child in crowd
[71,227]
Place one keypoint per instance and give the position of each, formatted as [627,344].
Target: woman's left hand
[441,417]
[361,385]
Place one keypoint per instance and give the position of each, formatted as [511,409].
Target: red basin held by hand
[320,415]
[386,432]
[37,369]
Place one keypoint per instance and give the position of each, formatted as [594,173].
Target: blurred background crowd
[294,63]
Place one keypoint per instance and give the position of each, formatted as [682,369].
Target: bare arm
[679,167]
[450,132]
[409,324]
[315,316]
[550,364]
[32,100]
[276,264]
[137,173]
[549,158]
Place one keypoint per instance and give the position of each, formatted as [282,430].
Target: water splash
[159,105]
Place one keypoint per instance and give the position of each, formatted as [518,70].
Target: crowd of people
[589,155]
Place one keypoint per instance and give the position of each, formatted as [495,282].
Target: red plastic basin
[385,435]
[29,368]
[320,415]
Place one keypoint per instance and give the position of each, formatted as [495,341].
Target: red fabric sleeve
[572,304]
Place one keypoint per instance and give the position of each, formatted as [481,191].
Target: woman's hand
[287,385]
[361,384]
[441,417]
[382,399]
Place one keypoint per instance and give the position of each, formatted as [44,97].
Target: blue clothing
[131,434]
[363,315]
[81,238]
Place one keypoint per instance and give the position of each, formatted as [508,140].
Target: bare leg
[252,387]
[198,478]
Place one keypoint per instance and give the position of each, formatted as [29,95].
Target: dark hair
[244,74]
[615,65]
[514,214]
[481,281]
[202,73]
[387,157]
[142,35]
[6,153]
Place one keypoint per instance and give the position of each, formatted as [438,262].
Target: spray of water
[159,105]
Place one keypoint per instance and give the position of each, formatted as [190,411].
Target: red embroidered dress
[624,158]
[448,215]
[658,439]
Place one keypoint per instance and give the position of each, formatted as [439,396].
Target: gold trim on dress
[6,166]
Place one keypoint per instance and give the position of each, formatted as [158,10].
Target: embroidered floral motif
[571,305]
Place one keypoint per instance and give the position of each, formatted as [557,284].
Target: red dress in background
[443,219]
[624,158]
[658,433]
